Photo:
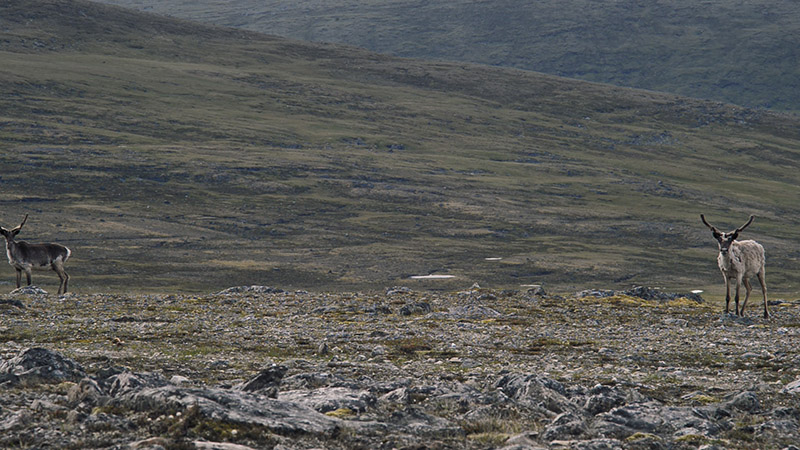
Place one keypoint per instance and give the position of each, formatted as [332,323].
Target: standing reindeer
[24,257]
[739,261]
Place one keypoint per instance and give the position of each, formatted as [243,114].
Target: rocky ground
[257,367]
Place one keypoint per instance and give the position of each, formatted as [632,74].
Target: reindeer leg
[19,278]
[764,292]
[58,267]
[28,276]
[748,288]
[738,285]
[727,294]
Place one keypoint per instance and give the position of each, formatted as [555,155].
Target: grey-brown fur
[740,261]
[25,257]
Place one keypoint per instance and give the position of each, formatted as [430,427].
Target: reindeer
[739,260]
[24,257]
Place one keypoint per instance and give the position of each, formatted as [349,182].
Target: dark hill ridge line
[742,53]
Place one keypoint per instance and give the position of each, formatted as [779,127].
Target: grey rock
[523,441]
[600,293]
[280,417]
[542,393]
[536,291]
[206,445]
[400,395]
[37,365]
[414,421]
[251,290]
[153,443]
[415,309]
[565,425]
[127,382]
[12,302]
[266,382]
[655,418]
[474,312]
[792,388]
[8,380]
[745,401]
[179,380]
[592,444]
[677,322]
[642,292]
[17,420]
[778,427]
[602,398]
[28,290]
[398,290]
[87,391]
[331,398]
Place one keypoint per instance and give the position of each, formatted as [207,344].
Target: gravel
[259,367]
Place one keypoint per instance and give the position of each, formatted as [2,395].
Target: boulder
[226,405]
[414,421]
[792,388]
[537,392]
[565,425]
[28,290]
[127,382]
[412,309]
[652,417]
[266,382]
[329,399]
[38,365]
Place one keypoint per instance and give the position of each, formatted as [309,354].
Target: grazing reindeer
[739,260]
[24,257]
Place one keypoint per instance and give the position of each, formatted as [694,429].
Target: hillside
[739,52]
[173,156]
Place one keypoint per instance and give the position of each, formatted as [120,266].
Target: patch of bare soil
[258,367]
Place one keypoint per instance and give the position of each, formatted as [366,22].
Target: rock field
[259,367]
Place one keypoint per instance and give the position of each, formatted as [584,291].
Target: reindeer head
[726,239]
[12,233]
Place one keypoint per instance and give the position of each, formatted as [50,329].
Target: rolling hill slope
[177,157]
[740,52]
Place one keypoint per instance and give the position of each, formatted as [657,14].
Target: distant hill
[739,52]
[179,157]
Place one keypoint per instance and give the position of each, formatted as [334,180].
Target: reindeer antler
[714,229]
[745,225]
[19,227]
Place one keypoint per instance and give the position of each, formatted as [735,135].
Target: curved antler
[745,225]
[19,227]
[714,229]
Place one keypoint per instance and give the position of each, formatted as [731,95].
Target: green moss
[489,439]
[342,413]
[638,436]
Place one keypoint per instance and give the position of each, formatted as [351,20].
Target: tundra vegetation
[475,368]
[182,158]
